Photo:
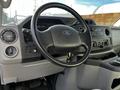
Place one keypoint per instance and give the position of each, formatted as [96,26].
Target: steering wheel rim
[40,45]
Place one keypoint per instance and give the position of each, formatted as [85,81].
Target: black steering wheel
[61,38]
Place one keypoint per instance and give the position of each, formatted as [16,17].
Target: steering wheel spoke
[45,38]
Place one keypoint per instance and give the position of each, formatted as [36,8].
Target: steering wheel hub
[65,36]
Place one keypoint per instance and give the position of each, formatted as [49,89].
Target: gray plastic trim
[13,73]
[5,59]
[87,77]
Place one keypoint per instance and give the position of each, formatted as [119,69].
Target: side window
[117,24]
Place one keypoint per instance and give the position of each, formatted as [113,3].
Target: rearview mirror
[5,3]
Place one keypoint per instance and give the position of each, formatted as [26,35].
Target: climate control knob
[11,51]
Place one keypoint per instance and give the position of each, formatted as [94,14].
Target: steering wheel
[61,38]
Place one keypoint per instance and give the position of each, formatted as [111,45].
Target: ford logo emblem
[66,32]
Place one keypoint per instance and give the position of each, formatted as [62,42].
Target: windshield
[20,9]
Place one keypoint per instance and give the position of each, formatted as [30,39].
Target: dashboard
[21,44]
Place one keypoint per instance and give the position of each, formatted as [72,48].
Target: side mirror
[5,4]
